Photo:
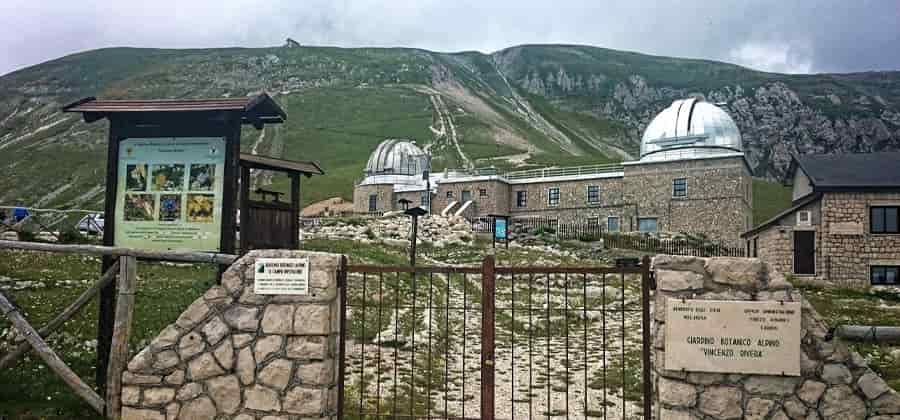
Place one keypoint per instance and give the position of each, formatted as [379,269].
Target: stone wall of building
[845,246]
[775,244]
[234,354]
[385,193]
[846,239]
[494,201]
[718,201]
[835,383]
[573,204]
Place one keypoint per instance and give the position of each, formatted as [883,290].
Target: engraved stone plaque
[733,336]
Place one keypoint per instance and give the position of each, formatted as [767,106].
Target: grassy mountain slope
[520,107]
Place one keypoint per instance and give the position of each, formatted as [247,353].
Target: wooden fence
[123,274]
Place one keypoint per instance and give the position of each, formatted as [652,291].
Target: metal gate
[495,342]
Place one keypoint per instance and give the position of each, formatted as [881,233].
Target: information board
[281,276]
[733,337]
[500,228]
[169,194]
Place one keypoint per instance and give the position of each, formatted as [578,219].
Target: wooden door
[804,252]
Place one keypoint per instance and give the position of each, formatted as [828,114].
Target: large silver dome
[397,157]
[690,128]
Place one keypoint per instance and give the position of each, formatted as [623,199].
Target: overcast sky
[797,36]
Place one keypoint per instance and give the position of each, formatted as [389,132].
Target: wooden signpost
[171,179]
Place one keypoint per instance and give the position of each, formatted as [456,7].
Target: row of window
[593,196]
[466,195]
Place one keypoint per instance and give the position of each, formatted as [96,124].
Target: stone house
[843,224]
[692,177]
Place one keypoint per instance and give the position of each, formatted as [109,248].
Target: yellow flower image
[200,208]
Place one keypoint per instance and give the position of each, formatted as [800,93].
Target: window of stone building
[466,196]
[423,201]
[373,203]
[482,192]
[884,275]
[593,194]
[679,187]
[612,224]
[884,219]
[449,194]
[521,199]
[553,196]
[648,224]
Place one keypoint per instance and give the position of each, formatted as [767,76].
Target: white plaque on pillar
[733,336]
[281,276]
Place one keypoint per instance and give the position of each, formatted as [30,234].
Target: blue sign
[500,228]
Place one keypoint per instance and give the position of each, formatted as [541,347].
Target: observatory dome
[690,128]
[397,157]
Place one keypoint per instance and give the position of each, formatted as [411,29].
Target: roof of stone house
[811,198]
[858,171]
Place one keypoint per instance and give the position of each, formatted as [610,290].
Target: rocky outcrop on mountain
[528,105]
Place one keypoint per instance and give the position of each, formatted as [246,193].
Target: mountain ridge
[523,106]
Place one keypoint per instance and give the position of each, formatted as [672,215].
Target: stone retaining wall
[234,354]
[835,383]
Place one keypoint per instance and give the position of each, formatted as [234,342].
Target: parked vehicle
[91,224]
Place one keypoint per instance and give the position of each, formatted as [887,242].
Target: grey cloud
[773,35]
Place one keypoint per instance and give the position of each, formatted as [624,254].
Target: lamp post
[414,212]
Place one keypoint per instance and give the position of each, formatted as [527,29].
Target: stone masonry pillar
[234,354]
[835,383]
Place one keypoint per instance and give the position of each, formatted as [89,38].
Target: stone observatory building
[692,177]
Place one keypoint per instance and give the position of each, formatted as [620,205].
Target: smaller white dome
[690,128]
[397,157]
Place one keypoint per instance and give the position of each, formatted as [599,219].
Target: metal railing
[566,171]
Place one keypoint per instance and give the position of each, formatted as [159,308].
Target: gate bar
[645,323]
[487,338]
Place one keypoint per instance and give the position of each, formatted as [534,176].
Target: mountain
[524,106]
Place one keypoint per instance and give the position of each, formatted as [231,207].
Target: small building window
[648,224]
[482,192]
[612,224]
[593,194]
[804,218]
[373,203]
[884,219]
[884,275]
[521,199]
[553,196]
[449,194]
[423,201]
[679,187]
[466,196]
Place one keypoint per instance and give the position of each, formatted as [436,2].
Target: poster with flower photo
[169,194]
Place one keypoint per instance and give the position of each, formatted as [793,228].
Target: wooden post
[245,209]
[46,353]
[107,301]
[232,128]
[295,209]
[64,316]
[118,355]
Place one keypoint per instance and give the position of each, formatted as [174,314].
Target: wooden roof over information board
[256,110]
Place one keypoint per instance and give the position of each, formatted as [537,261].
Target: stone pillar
[234,354]
[835,383]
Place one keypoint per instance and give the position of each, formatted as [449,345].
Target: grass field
[769,198]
